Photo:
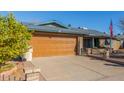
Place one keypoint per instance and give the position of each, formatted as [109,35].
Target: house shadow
[91,58]
[115,65]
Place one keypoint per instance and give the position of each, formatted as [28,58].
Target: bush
[14,38]
[7,66]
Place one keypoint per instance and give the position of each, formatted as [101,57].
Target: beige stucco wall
[115,44]
[102,42]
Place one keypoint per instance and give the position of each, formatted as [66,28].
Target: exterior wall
[79,42]
[80,45]
[116,44]
[102,42]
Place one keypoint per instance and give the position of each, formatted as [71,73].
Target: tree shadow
[19,58]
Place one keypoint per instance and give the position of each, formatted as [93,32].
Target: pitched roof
[121,37]
[53,22]
[52,29]
[91,32]
[43,27]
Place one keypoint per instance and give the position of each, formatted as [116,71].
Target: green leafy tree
[14,38]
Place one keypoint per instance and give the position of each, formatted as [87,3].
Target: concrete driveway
[77,68]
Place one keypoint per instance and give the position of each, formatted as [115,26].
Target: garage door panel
[53,46]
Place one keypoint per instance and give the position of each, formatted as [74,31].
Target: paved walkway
[77,68]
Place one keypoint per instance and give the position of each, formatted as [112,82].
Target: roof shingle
[69,30]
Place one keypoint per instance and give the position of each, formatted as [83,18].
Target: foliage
[14,38]
[122,25]
[7,67]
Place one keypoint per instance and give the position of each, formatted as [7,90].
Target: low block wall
[96,51]
[7,73]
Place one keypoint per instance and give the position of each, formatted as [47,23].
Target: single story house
[56,39]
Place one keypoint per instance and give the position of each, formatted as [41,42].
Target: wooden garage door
[53,45]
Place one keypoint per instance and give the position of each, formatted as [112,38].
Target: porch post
[80,45]
[93,42]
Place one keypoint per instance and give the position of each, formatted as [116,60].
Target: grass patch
[7,67]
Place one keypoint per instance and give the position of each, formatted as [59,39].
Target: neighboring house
[56,39]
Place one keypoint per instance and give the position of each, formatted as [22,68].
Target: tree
[122,25]
[14,38]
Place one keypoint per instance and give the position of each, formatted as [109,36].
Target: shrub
[14,38]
